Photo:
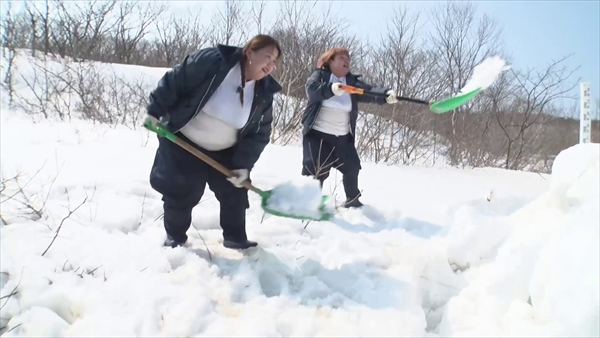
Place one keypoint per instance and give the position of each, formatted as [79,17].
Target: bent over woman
[219,100]
[329,121]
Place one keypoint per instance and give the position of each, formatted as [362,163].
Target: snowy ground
[443,252]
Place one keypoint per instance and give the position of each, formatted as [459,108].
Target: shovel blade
[452,103]
[322,215]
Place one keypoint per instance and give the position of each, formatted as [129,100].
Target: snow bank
[300,197]
[544,278]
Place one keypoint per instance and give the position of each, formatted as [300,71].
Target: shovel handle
[162,131]
[360,91]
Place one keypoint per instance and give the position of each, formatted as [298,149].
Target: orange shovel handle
[352,90]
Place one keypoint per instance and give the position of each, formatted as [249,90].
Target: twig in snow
[440,283]
[14,291]
[51,185]
[92,218]
[16,178]
[61,223]
[92,272]
[16,326]
[10,294]
[202,238]
[142,215]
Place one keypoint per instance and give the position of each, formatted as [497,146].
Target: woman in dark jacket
[219,100]
[329,122]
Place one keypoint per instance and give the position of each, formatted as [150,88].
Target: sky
[536,33]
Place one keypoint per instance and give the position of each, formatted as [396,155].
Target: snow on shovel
[302,200]
[484,75]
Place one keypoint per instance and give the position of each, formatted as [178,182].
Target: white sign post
[585,127]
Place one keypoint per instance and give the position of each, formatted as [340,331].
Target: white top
[334,116]
[216,126]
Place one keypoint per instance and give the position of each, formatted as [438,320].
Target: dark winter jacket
[318,89]
[184,90]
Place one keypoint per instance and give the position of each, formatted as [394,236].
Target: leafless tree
[81,30]
[403,66]
[8,43]
[535,92]
[132,25]
[460,42]
[229,24]
[258,15]
[177,37]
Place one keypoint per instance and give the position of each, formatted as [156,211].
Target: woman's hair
[256,43]
[330,55]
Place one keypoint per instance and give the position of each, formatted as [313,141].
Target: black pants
[322,152]
[181,178]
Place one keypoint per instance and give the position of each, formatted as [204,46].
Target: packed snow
[301,197]
[434,252]
[485,73]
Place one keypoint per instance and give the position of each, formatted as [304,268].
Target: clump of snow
[485,73]
[300,197]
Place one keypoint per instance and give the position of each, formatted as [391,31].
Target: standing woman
[219,100]
[329,121]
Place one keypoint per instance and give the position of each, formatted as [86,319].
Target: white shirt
[225,103]
[334,116]
[216,125]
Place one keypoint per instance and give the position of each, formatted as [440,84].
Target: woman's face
[340,65]
[261,62]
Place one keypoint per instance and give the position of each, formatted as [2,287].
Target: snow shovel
[438,107]
[323,214]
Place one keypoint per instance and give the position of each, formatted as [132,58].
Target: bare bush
[20,200]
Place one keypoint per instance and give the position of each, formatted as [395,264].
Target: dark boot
[350,182]
[172,242]
[353,203]
[239,245]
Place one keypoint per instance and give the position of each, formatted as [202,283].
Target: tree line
[517,123]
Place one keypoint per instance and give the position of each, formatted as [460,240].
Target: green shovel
[162,131]
[438,107]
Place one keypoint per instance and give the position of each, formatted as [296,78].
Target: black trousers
[322,152]
[181,178]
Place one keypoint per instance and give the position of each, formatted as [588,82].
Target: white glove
[335,88]
[241,175]
[153,121]
[391,99]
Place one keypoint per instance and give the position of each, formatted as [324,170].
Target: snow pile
[564,286]
[300,197]
[545,276]
[485,73]
[474,237]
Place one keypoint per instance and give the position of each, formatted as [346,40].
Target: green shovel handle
[162,131]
